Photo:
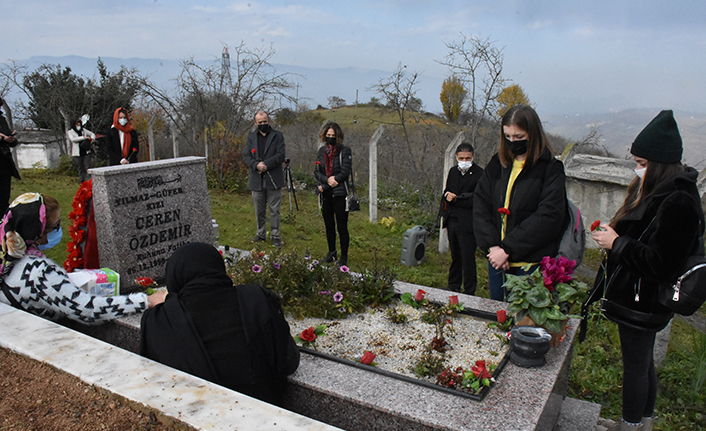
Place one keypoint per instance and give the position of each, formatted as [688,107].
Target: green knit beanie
[659,141]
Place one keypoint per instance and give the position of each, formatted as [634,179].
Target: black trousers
[639,376]
[5,187]
[334,211]
[462,271]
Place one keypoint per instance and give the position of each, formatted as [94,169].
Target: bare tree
[220,99]
[478,65]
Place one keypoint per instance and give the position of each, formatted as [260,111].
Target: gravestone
[145,211]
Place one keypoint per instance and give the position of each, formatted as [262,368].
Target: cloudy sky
[568,55]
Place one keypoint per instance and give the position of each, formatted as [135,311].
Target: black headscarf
[235,336]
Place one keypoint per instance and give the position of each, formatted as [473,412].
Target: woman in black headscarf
[235,336]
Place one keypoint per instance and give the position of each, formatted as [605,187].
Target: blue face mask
[53,238]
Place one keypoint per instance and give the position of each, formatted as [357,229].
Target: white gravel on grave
[398,347]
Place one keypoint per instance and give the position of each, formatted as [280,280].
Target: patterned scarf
[22,225]
[329,156]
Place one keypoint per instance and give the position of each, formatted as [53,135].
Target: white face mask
[122,121]
[640,172]
[78,128]
[465,165]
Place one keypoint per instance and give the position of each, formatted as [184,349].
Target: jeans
[639,376]
[496,278]
[265,200]
[334,212]
[82,163]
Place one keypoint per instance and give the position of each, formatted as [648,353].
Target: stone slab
[578,415]
[177,395]
[145,211]
[353,399]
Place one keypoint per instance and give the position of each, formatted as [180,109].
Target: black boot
[343,260]
[330,257]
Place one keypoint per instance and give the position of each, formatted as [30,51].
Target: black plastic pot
[529,345]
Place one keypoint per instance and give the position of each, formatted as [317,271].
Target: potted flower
[545,297]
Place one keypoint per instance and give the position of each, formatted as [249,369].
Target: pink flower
[338,297]
[256,269]
[453,299]
[420,295]
[367,358]
[276,265]
[344,268]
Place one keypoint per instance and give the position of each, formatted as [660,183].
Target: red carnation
[317,163]
[144,281]
[504,211]
[253,151]
[367,358]
[420,295]
[453,299]
[308,335]
[502,315]
[480,371]
[596,225]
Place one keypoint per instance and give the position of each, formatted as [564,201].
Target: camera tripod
[290,185]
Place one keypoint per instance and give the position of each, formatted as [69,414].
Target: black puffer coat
[658,257]
[537,216]
[342,167]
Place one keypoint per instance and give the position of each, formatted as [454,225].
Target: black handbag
[688,293]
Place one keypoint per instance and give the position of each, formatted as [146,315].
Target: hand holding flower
[605,236]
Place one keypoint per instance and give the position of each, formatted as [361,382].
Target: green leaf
[539,315]
[553,325]
[539,297]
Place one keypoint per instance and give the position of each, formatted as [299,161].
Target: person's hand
[157,298]
[450,196]
[498,258]
[605,237]
[321,188]
[261,167]
[332,181]
[124,162]
[9,138]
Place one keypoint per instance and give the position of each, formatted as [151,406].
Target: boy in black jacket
[457,212]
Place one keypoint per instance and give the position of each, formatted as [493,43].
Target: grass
[597,366]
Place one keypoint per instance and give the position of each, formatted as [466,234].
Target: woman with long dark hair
[659,225]
[334,163]
[519,207]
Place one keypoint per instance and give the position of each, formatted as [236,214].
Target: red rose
[502,315]
[595,225]
[367,358]
[480,371]
[420,295]
[144,281]
[453,299]
[504,211]
[308,335]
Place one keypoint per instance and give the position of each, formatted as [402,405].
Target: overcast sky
[568,55]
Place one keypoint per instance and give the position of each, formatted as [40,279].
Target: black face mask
[264,128]
[518,148]
[330,140]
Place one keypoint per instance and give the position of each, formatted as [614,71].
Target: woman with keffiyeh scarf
[32,282]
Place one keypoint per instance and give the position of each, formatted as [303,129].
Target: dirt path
[36,396]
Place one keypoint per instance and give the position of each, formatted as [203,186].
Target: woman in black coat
[7,164]
[235,336]
[659,225]
[122,143]
[519,207]
[334,163]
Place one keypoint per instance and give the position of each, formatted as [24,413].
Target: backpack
[573,241]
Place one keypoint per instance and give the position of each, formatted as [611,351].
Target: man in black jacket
[457,212]
[264,154]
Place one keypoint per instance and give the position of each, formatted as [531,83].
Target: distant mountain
[619,129]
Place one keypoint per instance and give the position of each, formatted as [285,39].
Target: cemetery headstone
[145,211]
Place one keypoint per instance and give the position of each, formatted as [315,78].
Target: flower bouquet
[547,295]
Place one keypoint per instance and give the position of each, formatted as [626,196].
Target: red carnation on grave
[367,358]
[308,335]
[480,371]
[453,299]
[501,315]
[420,295]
